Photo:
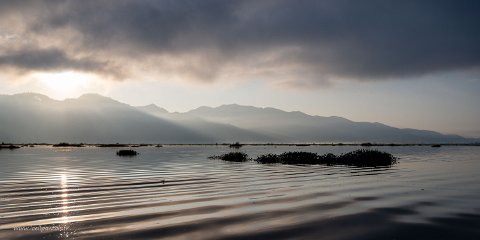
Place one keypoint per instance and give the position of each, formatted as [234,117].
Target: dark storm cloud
[47,60]
[373,39]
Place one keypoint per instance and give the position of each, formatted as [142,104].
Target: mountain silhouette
[92,118]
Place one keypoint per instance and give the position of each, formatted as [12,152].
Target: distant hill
[300,127]
[92,118]
[221,132]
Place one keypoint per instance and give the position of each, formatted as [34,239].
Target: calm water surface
[175,192]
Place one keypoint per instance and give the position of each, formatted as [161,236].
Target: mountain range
[92,118]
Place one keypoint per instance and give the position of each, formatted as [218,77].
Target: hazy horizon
[472,134]
[93,118]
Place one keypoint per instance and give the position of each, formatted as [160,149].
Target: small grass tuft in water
[127,152]
[232,157]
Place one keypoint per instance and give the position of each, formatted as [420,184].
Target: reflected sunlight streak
[64,189]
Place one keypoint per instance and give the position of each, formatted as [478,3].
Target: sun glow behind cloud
[68,84]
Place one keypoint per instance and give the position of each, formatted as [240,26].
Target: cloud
[48,59]
[303,42]
[27,60]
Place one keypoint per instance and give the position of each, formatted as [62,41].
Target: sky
[408,64]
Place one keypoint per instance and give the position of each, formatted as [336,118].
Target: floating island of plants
[358,158]
[127,153]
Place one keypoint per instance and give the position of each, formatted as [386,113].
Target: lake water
[175,192]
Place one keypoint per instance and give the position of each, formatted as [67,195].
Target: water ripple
[175,192]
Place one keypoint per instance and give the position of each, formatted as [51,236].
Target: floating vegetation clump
[127,152]
[11,146]
[328,159]
[298,158]
[359,158]
[236,145]
[366,158]
[112,145]
[268,158]
[65,144]
[232,157]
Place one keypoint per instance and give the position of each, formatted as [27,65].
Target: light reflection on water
[176,192]
[64,201]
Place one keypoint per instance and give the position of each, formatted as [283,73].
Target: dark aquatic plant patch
[4,146]
[139,145]
[328,159]
[112,145]
[268,158]
[232,157]
[366,158]
[359,158]
[298,158]
[302,145]
[127,152]
[65,144]
[236,145]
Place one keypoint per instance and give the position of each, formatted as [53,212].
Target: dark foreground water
[174,192]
